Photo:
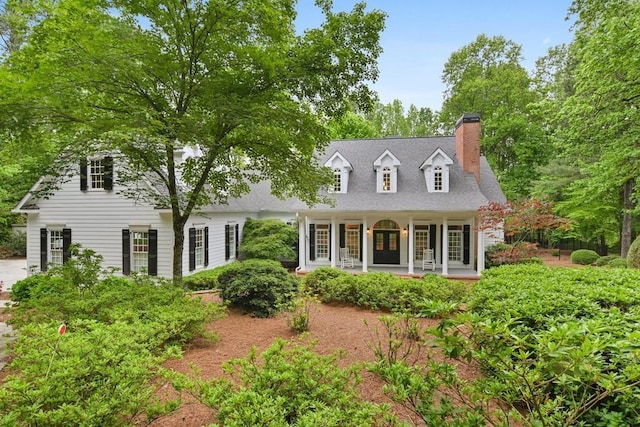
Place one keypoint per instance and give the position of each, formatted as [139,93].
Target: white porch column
[411,243]
[365,245]
[334,242]
[302,243]
[445,247]
[480,252]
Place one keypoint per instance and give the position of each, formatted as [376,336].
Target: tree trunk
[178,249]
[627,218]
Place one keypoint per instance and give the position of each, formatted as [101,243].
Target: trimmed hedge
[584,256]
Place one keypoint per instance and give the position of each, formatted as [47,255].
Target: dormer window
[337,180]
[436,172]
[341,169]
[437,178]
[386,179]
[386,167]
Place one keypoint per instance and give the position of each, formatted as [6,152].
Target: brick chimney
[468,143]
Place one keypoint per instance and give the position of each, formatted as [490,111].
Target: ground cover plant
[97,368]
[561,343]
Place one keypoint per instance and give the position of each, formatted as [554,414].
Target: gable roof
[465,195]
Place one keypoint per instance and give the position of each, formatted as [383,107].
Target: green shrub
[316,280]
[383,291]
[95,374]
[288,384]
[14,244]
[529,325]
[618,263]
[605,260]
[269,239]
[633,255]
[260,287]
[584,256]
[207,279]
[36,283]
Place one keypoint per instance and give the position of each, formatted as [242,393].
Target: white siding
[96,219]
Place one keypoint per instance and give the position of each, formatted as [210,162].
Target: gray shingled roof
[464,193]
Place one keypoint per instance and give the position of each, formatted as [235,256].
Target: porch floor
[454,273]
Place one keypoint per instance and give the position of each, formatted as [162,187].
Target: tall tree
[231,79]
[392,120]
[602,117]
[486,76]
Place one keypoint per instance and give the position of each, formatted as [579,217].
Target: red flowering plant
[519,221]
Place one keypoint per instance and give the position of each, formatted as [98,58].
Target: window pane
[97,174]
[322,242]
[421,242]
[379,242]
[386,179]
[55,248]
[352,238]
[455,245]
[393,242]
[140,251]
[199,247]
[337,183]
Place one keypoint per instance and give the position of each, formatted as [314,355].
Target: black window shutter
[362,236]
[432,239]
[83,175]
[66,242]
[152,259]
[126,252]
[342,236]
[192,249]
[236,240]
[466,244]
[107,163]
[227,249]
[312,242]
[44,249]
[206,246]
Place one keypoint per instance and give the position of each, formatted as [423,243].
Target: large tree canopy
[486,77]
[601,118]
[232,78]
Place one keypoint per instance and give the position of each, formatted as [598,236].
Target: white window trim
[438,159]
[136,264]
[199,249]
[338,162]
[90,173]
[55,255]
[384,161]
[231,239]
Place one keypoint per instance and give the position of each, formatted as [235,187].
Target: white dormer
[386,167]
[436,172]
[341,168]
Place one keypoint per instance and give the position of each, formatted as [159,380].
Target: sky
[420,36]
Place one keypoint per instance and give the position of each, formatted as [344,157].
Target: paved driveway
[12,270]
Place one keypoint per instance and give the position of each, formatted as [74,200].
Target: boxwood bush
[633,256]
[605,260]
[584,256]
[260,287]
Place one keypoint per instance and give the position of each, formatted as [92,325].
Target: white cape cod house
[395,201]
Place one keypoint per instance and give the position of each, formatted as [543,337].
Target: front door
[386,247]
